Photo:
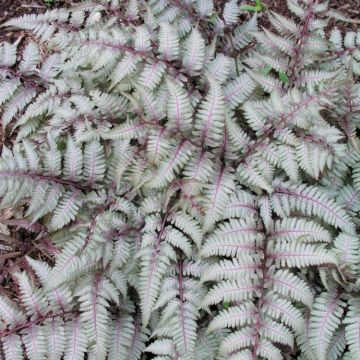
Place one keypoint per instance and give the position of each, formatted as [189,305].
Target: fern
[183,182]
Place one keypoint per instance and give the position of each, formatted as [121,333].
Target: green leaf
[226,304]
[283,77]
[249,8]
[266,70]
[257,8]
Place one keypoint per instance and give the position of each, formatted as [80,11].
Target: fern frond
[12,346]
[352,333]
[300,255]
[66,210]
[238,90]
[179,109]
[288,284]
[219,68]
[234,317]
[232,238]
[218,195]
[171,165]
[231,269]
[312,201]
[56,339]
[194,52]
[153,267]
[204,8]
[236,341]
[94,315]
[325,315]
[34,300]
[291,229]
[94,163]
[230,291]
[10,313]
[168,42]
[34,342]
[30,58]
[152,74]
[209,121]
[76,340]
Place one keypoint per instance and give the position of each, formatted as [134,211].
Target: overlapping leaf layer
[191,178]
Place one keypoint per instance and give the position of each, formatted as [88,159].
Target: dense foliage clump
[187,180]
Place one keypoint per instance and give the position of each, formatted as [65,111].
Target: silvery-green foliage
[193,177]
